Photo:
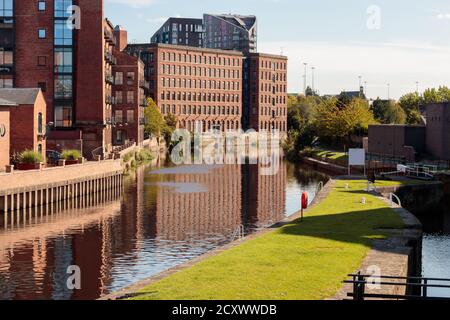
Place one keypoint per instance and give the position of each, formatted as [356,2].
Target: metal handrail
[319,187]
[391,198]
[360,282]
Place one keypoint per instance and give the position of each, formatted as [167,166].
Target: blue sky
[397,42]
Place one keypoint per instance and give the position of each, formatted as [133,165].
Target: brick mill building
[199,86]
[265,92]
[129,93]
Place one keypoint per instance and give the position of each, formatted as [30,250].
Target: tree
[170,124]
[388,112]
[411,104]
[154,121]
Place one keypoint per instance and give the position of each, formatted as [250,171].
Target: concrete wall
[392,139]
[4,137]
[24,179]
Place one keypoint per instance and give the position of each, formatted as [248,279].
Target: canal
[162,218]
[436,243]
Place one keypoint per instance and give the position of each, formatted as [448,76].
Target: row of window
[199,71]
[273,65]
[206,125]
[200,59]
[270,76]
[200,84]
[201,110]
[273,112]
[266,87]
[210,97]
[271,126]
[119,116]
[129,97]
[274,101]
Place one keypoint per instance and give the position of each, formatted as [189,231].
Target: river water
[163,217]
[436,245]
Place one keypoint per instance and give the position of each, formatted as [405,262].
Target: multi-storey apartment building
[181,31]
[265,92]
[199,86]
[67,52]
[129,93]
[230,32]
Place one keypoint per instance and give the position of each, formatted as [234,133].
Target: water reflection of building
[264,196]
[112,242]
[236,195]
[180,215]
[34,258]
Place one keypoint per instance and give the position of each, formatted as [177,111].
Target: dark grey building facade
[180,31]
[438,130]
[402,140]
[231,32]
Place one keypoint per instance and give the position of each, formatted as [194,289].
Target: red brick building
[26,126]
[266,92]
[129,93]
[199,86]
[70,56]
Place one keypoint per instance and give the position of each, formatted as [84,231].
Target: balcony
[109,100]
[109,36]
[144,84]
[109,57]
[109,78]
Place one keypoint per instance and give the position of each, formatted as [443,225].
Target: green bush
[127,157]
[71,154]
[145,155]
[30,157]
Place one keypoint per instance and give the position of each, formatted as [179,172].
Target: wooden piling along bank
[62,187]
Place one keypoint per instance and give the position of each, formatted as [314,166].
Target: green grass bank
[301,260]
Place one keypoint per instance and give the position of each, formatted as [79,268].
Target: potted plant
[29,159]
[71,156]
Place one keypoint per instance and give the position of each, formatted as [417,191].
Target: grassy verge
[306,260]
[335,157]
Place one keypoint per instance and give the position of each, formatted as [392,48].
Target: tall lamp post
[305,77]
[313,69]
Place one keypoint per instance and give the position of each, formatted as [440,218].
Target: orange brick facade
[27,126]
[4,136]
[129,99]
[267,92]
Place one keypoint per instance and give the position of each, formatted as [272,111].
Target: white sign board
[356,157]
[401,168]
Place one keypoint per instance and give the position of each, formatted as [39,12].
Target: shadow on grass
[360,227]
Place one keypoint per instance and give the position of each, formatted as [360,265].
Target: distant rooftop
[18,96]
[241,21]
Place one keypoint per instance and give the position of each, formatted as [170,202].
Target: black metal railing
[416,288]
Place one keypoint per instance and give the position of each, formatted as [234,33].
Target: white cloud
[443,16]
[134,3]
[338,65]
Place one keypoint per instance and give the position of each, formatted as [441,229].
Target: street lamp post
[305,77]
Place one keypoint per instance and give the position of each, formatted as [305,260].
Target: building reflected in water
[161,219]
